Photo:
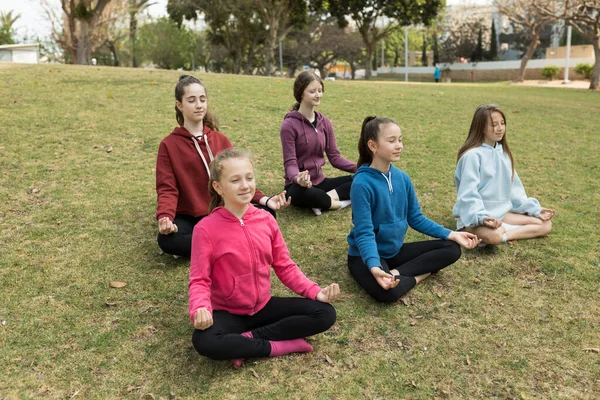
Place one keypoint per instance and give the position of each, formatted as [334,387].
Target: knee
[454,250]
[494,237]
[386,296]
[164,242]
[205,345]
[326,315]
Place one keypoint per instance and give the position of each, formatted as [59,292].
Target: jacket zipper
[253,262]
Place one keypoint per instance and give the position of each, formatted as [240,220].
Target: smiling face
[236,184]
[388,146]
[194,103]
[312,94]
[495,129]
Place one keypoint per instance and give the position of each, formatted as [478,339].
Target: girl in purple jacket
[305,135]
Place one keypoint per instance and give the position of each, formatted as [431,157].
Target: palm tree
[7,20]
[135,7]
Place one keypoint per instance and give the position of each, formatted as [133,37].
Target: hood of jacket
[377,174]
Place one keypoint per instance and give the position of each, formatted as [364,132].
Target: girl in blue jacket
[490,198]
[384,205]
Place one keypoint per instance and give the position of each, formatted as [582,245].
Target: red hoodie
[231,259]
[181,176]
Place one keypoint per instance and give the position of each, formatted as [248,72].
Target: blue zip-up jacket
[383,207]
[484,188]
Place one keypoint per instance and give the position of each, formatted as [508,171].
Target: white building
[20,53]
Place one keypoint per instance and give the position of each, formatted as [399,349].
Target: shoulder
[324,120]
[473,155]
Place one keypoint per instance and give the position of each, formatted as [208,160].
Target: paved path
[556,83]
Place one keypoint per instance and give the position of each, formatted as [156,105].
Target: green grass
[74,217]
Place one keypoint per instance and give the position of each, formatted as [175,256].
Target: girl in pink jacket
[230,300]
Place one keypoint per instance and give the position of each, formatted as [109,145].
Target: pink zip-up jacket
[303,146]
[231,263]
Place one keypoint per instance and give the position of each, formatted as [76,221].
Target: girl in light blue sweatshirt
[490,198]
[384,205]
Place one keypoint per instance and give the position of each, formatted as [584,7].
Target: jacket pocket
[391,234]
[243,293]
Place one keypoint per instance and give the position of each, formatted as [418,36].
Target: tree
[275,17]
[493,43]
[478,52]
[459,41]
[526,15]
[584,17]
[424,60]
[368,15]
[7,20]
[77,29]
[166,44]
[436,50]
[134,8]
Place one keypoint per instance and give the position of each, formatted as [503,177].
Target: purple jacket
[303,146]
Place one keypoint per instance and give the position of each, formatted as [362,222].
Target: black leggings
[282,318]
[413,259]
[180,242]
[316,196]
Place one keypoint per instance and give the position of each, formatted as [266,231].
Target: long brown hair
[302,81]
[370,131]
[185,80]
[216,170]
[481,119]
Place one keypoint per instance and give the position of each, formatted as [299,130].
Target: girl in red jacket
[182,169]
[230,300]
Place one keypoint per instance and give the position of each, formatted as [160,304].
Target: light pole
[568,56]
[406,54]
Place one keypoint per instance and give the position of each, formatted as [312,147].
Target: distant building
[20,53]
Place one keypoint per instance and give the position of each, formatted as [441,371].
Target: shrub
[550,72]
[585,69]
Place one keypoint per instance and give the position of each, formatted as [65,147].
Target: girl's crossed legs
[282,318]
[521,227]
[414,262]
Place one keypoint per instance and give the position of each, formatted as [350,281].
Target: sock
[345,203]
[282,347]
[504,238]
[317,211]
[238,362]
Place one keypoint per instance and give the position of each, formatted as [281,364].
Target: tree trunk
[270,44]
[322,71]
[369,59]
[530,50]
[595,81]
[132,32]
[84,42]
[111,46]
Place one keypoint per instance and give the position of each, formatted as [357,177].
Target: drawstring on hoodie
[389,181]
[210,154]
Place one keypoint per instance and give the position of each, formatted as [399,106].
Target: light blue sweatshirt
[484,188]
[383,207]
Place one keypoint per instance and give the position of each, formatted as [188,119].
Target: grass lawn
[77,200]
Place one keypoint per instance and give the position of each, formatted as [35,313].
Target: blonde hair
[216,170]
[481,119]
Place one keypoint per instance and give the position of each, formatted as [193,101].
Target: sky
[33,22]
